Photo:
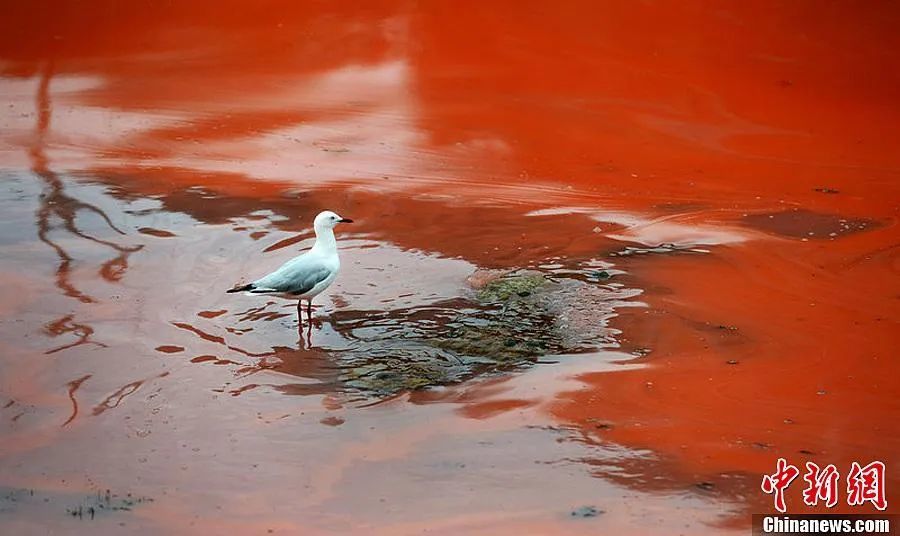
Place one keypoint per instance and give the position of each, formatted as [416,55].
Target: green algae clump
[507,287]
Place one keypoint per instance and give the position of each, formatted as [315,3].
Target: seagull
[304,277]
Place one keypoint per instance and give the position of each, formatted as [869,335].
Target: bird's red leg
[300,313]
[309,310]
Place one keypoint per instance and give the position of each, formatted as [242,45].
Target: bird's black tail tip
[240,288]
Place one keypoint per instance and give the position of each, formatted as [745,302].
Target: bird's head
[329,220]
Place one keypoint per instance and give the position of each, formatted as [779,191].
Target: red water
[154,153]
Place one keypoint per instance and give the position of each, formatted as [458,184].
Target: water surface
[715,208]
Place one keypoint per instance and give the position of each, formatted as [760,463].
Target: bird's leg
[300,313]
[309,311]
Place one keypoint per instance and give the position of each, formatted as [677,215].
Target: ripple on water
[800,223]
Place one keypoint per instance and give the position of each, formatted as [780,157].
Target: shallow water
[715,211]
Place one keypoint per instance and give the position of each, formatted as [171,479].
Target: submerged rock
[393,375]
[512,325]
[586,511]
[392,366]
[509,321]
[481,277]
[503,289]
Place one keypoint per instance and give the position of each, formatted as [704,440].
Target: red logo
[866,484]
[821,484]
[779,481]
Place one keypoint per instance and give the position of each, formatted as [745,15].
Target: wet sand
[152,155]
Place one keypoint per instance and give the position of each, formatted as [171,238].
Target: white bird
[304,277]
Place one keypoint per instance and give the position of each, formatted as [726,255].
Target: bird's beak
[345,220]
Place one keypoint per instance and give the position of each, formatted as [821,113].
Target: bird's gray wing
[292,278]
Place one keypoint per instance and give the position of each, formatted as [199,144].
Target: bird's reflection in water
[300,359]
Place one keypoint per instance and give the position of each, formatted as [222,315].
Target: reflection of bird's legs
[301,342]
